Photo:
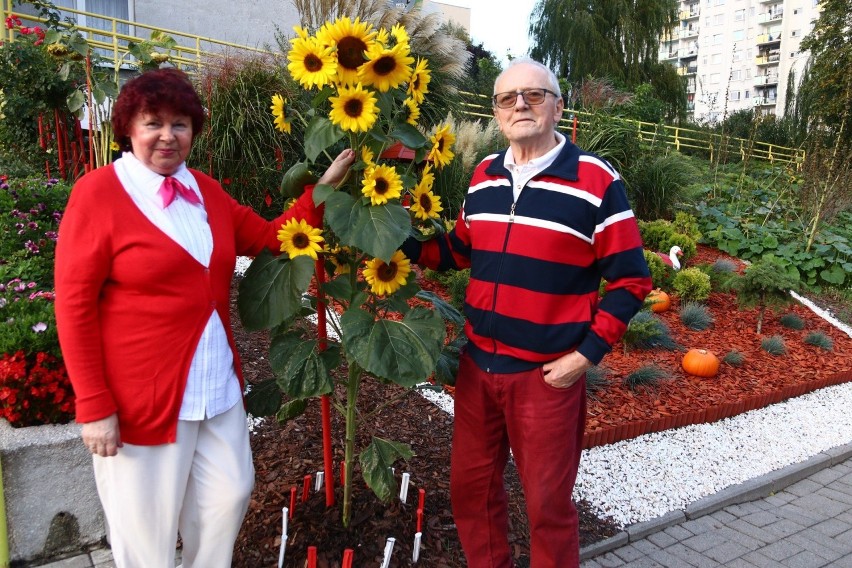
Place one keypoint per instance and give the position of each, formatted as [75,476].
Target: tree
[618,39]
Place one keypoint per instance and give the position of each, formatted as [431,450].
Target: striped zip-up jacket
[536,263]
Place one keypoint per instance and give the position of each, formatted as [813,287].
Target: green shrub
[647,331]
[692,284]
[722,274]
[656,184]
[819,339]
[661,273]
[766,284]
[455,281]
[774,345]
[661,235]
[734,357]
[648,376]
[695,316]
[687,224]
[792,321]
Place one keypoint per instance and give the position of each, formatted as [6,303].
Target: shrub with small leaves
[695,316]
[766,284]
[734,357]
[692,284]
[774,345]
[819,339]
[647,331]
[661,273]
[792,321]
[722,273]
[648,376]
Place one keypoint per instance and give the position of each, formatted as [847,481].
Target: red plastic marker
[422,499]
[292,501]
[306,487]
[348,556]
[312,557]
[419,520]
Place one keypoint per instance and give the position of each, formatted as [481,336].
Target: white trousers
[199,486]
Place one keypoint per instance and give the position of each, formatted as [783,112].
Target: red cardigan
[131,303]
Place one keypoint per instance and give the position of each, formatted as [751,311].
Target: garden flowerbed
[284,454]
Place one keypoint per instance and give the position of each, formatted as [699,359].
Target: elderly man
[542,223]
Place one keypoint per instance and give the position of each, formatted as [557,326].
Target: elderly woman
[144,263]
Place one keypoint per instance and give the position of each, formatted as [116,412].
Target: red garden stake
[419,520]
[306,487]
[348,557]
[322,333]
[292,501]
[421,499]
[312,557]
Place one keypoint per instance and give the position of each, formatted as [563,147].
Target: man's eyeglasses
[531,97]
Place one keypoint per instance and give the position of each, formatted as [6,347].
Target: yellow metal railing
[679,138]
[190,53]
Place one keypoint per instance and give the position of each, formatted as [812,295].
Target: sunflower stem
[352,386]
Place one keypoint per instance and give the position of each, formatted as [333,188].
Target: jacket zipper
[497,283]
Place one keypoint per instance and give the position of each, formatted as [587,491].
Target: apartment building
[738,54]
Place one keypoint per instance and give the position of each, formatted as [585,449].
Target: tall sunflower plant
[366,90]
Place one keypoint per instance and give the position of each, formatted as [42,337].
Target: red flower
[12,21]
[267,199]
[34,390]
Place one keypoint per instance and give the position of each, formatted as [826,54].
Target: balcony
[765,101]
[686,33]
[688,70]
[766,80]
[668,55]
[771,58]
[690,14]
[771,1]
[770,17]
[687,52]
[690,88]
[765,39]
[690,106]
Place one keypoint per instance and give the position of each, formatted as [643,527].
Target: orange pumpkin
[701,363]
[659,300]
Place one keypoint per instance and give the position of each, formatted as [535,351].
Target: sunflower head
[412,110]
[381,183]
[311,63]
[442,141]
[385,278]
[367,156]
[277,108]
[354,109]
[298,238]
[340,257]
[351,40]
[418,84]
[386,68]
[425,204]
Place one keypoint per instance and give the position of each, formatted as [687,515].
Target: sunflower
[113,146]
[277,108]
[442,141]
[340,257]
[354,109]
[425,204]
[311,63]
[413,111]
[385,278]
[381,183]
[400,34]
[352,40]
[298,238]
[367,156]
[386,68]
[419,81]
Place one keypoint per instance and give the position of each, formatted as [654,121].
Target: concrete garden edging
[52,505]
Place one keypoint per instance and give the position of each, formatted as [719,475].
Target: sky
[499,26]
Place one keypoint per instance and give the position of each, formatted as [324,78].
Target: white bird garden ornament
[672,259]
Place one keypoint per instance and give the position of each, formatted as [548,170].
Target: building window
[738,35]
[792,54]
[739,15]
[737,55]
[704,60]
[796,11]
[717,39]
[720,2]
[716,58]
[735,95]
[736,75]
[714,78]
[720,19]
[795,33]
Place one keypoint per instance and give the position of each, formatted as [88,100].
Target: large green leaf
[447,366]
[301,371]
[378,230]
[320,134]
[263,399]
[376,463]
[272,288]
[404,352]
[409,136]
[297,177]
[291,410]
[833,275]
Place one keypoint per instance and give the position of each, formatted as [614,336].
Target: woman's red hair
[154,92]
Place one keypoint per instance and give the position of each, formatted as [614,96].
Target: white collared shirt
[212,386]
[524,173]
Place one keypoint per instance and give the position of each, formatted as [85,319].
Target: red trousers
[543,425]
